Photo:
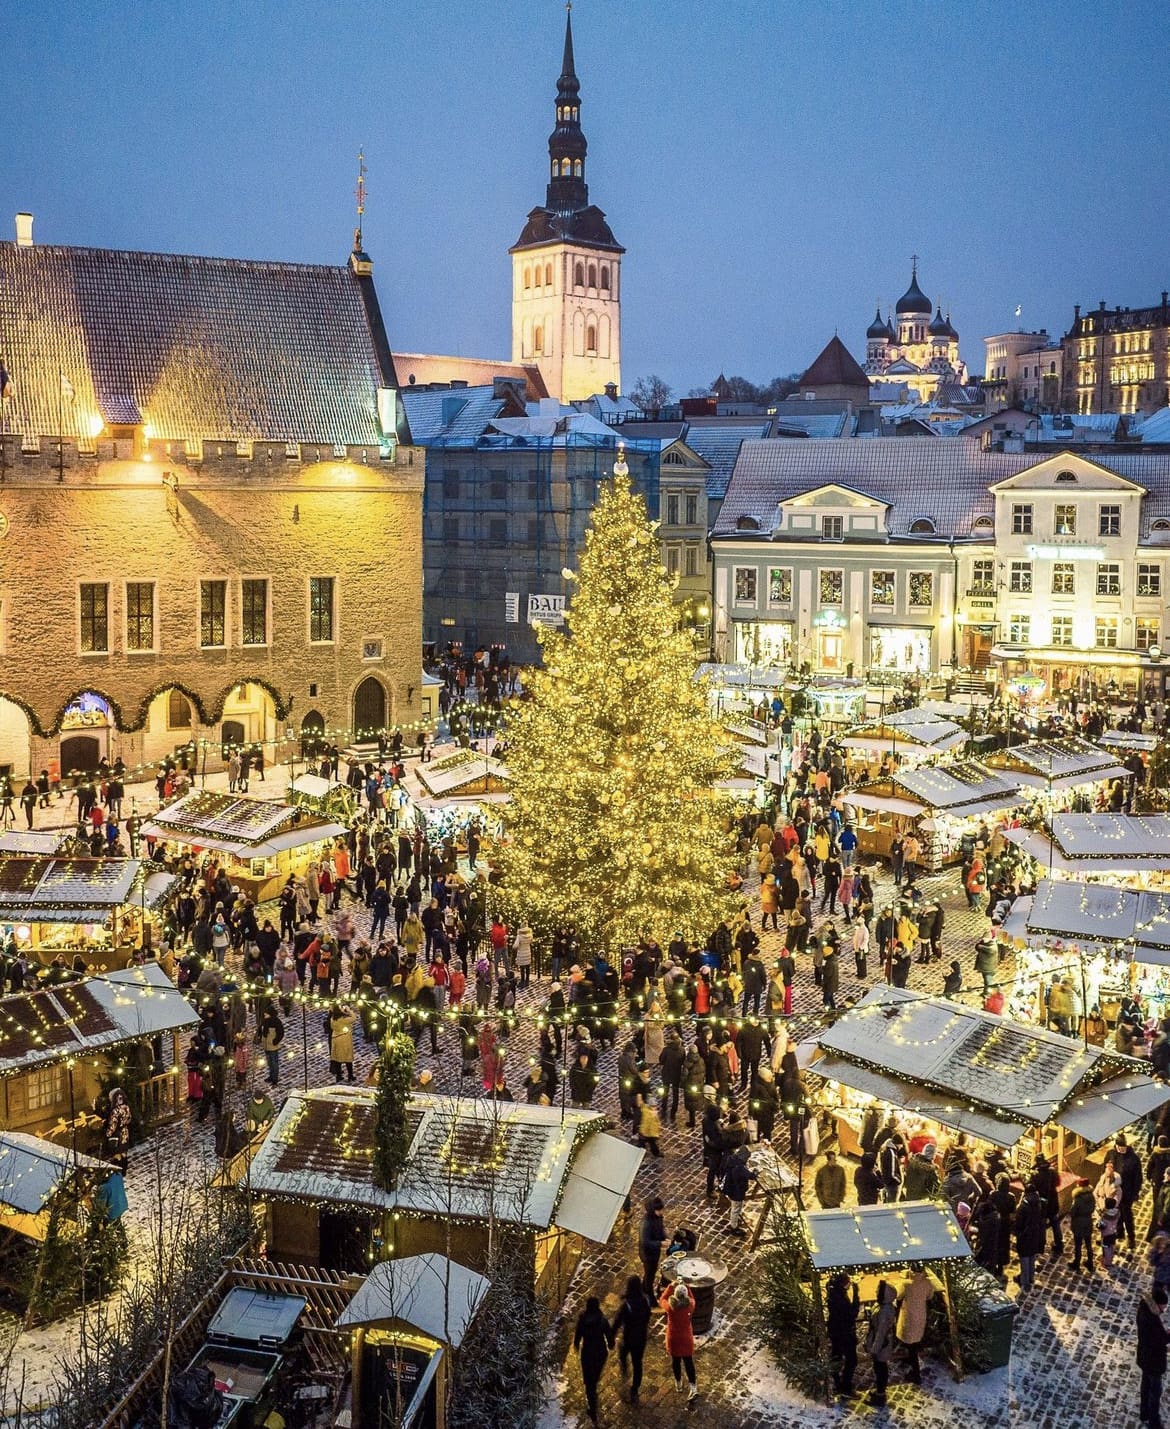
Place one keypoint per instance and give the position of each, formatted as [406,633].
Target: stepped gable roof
[193,348]
[835,365]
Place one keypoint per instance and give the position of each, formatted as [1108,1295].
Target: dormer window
[747,523]
[984,523]
[832,528]
[922,526]
[1066,478]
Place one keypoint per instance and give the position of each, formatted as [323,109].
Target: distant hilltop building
[913,348]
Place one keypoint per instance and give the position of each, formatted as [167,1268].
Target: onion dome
[913,300]
[877,328]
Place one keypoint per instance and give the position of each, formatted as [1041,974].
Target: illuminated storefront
[763,642]
[905,648]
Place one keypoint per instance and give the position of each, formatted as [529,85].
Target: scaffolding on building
[503,517]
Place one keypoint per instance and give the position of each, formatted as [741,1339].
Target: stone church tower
[566,267]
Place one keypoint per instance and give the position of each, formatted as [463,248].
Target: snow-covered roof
[1094,917]
[31,841]
[1056,764]
[1124,739]
[32,1170]
[932,736]
[466,1158]
[248,828]
[438,1296]
[55,1023]
[1099,843]
[442,778]
[872,1237]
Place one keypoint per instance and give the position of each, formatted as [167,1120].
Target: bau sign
[546,610]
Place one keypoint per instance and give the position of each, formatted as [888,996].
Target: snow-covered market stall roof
[964,789]
[918,730]
[33,1170]
[1132,742]
[1094,917]
[247,828]
[528,1165]
[45,889]
[466,771]
[1056,764]
[1099,843]
[73,1018]
[1009,1071]
[438,1296]
[32,841]
[885,1237]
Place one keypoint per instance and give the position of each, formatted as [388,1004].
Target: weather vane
[360,195]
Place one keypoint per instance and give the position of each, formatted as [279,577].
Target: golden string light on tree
[615,822]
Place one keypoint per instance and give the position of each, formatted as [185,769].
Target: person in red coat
[679,1304]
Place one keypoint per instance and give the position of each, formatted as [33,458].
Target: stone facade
[168,524]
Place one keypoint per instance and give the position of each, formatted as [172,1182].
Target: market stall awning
[1099,843]
[33,1170]
[1112,1106]
[247,828]
[1122,739]
[598,1183]
[1066,908]
[1056,764]
[919,1101]
[883,1237]
[438,1296]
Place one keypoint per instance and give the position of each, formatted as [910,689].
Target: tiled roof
[455,415]
[946,481]
[195,348]
[719,447]
[420,368]
[835,365]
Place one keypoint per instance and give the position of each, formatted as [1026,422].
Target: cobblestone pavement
[1073,1360]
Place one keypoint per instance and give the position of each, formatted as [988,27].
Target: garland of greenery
[785,1309]
[392,1130]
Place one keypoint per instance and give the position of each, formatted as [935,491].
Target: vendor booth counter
[262,843]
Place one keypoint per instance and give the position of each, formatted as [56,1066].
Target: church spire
[567,192]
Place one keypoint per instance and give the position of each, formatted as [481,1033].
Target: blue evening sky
[769,166]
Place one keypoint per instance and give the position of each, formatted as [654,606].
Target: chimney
[24,223]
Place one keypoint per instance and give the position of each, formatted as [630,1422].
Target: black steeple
[567,191]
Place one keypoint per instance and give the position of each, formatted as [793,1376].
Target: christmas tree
[615,821]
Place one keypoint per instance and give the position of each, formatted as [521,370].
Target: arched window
[548,275]
[605,278]
[591,340]
[555,168]
[579,275]
[577,170]
[747,523]
[593,275]
[565,168]
[922,526]
[538,341]
[983,523]
[528,277]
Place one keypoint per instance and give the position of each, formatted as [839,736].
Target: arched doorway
[369,710]
[85,734]
[312,734]
[80,754]
[232,736]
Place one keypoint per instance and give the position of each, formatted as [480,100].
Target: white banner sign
[512,607]
[546,610]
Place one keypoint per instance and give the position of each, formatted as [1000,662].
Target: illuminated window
[922,588]
[1062,630]
[254,612]
[1149,579]
[1109,579]
[528,277]
[212,615]
[95,623]
[1065,523]
[1146,632]
[746,578]
[881,588]
[140,615]
[577,169]
[831,587]
[320,609]
[982,578]
[1106,632]
[548,275]
[1020,577]
[1020,630]
[780,585]
[1064,578]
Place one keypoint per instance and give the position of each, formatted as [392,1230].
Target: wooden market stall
[33,1173]
[105,909]
[940,802]
[324,797]
[56,1043]
[263,842]
[554,1176]
[463,772]
[906,736]
[1129,849]
[967,1077]
[406,1318]
[1057,769]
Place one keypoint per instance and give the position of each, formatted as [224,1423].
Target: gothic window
[579,275]
[604,278]
[538,341]
[566,168]
[593,275]
[548,275]
[591,340]
[577,169]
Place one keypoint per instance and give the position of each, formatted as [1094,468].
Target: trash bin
[997,1311]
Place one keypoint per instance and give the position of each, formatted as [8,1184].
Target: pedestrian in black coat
[593,1340]
[671,1059]
[1152,1337]
[633,1321]
[842,1309]
[650,1242]
[866,1181]
[1129,1167]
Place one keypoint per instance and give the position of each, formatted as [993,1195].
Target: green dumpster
[996,1312]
